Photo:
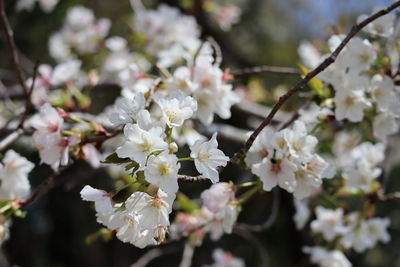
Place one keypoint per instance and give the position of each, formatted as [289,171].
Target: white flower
[384,124]
[382,91]
[377,229]
[140,144]
[329,223]
[225,259]
[177,109]
[181,80]
[127,109]
[116,44]
[306,183]
[382,26]
[153,210]
[372,153]
[261,148]
[361,177]
[218,196]
[14,176]
[79,17]
[207,158]
[162,170]
[358,55]
[54,148]
[350,105]
[325,258]
[102,202]
[48,120]
[65,72]
[279,173]
[365,234]
[227,15]
[300,144]
[309,54]
[302,214]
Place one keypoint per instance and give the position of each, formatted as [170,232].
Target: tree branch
[301,84]
[13,49]
[264,69]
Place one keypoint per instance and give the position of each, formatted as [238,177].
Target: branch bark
[12,47]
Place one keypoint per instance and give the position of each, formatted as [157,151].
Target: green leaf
[114,159]
[185,203]
[315,84]
[133,165]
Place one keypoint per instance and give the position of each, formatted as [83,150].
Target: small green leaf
[133,165]
[185,203]
[315,84]
[113,158]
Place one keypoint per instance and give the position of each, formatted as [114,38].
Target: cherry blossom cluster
[287,158]
[46,5]
[81,34]
[171,83]
[216,216]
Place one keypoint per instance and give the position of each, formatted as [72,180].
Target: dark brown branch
[12,47]
[300,85]
[42,189]
[264,69]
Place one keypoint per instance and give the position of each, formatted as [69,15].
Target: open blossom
[46,5]
[170,36]
[80,34]
[350,105]
[65,72]
[218,196]
[382,26]
[382,91]
[302,214]
[276,173]
[127,109]
[301,145]
[54,148]
[361,176]
[47,120]
[384,124]
[177,109]
[358,55]
[140,144]
[329,223]
[14,176]
[326,258]
[207,158]
[261,148]
[162,170]
[102,203]
[365,234]
[225,259]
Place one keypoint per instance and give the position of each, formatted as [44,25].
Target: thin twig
[42,189]
[9,139]
[192,178]
[12,47]
[271,218]
[217,50]
[264,69]
[249,237]
[300,85]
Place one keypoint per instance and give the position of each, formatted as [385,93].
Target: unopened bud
[173,147]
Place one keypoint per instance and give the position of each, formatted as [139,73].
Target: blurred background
[269,32]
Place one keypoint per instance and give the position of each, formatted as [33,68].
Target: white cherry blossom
[162,170]
[207,158]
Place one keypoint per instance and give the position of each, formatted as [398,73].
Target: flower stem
[185,159]
[247,195]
